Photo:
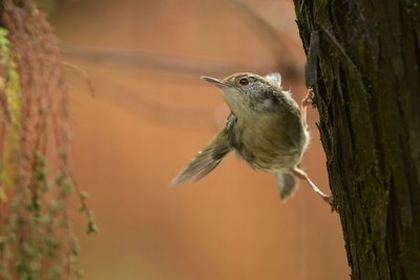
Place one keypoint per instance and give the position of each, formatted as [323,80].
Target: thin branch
[84,73]
[180,65]
[281,46]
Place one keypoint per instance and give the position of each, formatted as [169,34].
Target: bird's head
[247,92]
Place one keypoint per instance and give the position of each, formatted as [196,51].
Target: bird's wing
[286,184]
[207,159]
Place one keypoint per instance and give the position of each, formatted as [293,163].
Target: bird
[265,127]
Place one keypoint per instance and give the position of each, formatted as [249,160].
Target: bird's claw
[308,100]
[330,200]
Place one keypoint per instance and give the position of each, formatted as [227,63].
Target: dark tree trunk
[363,62]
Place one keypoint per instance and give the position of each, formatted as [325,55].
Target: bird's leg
[302,175]
[306,101]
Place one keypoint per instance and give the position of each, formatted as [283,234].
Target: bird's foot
[308,100]
[330,200]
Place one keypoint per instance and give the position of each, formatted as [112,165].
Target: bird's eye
[244,82]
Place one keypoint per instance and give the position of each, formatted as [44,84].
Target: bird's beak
[218,83]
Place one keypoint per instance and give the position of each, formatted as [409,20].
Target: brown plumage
[265,128]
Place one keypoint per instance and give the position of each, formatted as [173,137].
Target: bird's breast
[270,143]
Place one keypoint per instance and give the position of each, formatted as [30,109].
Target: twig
[84,73]
[275,39]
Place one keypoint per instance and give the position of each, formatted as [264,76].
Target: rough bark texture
[363,62]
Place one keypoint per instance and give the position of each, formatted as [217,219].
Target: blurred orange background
[151,114]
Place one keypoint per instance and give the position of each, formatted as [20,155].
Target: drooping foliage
[36,239]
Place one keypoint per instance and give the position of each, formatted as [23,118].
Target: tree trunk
[363,62]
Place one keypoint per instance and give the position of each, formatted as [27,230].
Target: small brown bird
[265,127]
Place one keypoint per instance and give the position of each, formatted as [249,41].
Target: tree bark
[363,62]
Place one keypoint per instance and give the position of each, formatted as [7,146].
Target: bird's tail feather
[286,184]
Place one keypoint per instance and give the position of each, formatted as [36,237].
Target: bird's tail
[286,184]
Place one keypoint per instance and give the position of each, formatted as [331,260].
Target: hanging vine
[36,239]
